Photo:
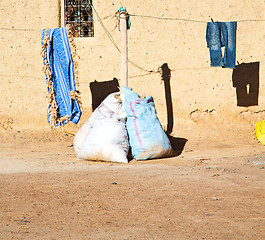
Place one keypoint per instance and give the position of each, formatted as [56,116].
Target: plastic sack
[146,135]
[103,136]
[260,131]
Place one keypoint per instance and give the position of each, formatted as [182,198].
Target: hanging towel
[60,62]
[222,34]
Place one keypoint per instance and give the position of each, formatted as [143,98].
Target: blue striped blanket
[63,80]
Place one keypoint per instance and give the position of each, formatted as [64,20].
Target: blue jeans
[222,34]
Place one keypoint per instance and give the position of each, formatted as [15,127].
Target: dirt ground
[213,188]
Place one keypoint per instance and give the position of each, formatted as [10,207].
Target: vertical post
[124,49]
[62,12]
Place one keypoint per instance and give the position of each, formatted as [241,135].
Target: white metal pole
[124,49]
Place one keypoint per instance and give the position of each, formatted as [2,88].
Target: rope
[21,29]
[106,31]
[113,41]
[190,20]
[167,18]
[100,20]
[137,15]
[21,76]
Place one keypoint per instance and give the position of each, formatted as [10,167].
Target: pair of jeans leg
[222,34]
[230,44]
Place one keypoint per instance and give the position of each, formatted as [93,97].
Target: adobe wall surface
[151,43]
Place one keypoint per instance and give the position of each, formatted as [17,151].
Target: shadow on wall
[246,81]
[177,144]
[100,90]
[166,75]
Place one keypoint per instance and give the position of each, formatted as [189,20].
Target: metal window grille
[79,16]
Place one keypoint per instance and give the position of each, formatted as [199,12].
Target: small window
[79,16]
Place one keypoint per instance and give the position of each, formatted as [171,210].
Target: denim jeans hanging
[222,34]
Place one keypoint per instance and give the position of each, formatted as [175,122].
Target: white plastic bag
[103,136]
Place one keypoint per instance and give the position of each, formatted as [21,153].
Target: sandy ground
[213,188]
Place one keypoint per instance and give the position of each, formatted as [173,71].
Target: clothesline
[189,20]
[114,43]
[21,29]
[100,20]
[139,75]
[21,76]
[141,16]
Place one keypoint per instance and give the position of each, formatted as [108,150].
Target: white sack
[104,136]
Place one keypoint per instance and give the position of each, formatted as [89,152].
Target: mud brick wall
[178,46]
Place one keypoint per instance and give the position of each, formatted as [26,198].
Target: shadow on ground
[177,144]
